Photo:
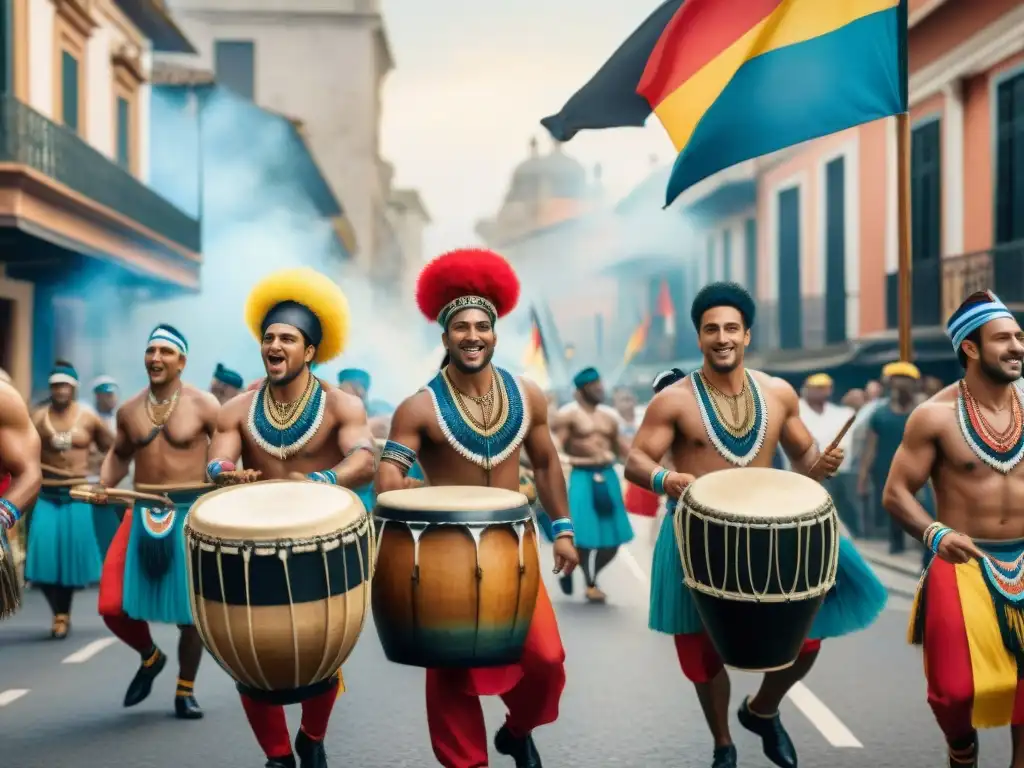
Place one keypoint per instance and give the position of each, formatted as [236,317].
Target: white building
[323,62]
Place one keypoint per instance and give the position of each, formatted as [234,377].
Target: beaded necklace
[737,443]
[485,445]
[283,429]
[1001,450]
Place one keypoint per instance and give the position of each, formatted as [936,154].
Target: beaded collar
[487,448]
[287,441]
[738,449]
[1000,454]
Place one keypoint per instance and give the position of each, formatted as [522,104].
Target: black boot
[725,757]
[522,750]
[281,762]
[964,754]
[565,582]
[142,684]
[187,708]
[777,745]
[311,752]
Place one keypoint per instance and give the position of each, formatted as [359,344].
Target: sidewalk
[877,553]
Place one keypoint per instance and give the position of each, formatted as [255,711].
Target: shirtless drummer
[969,439]
[725,415]
[467,427]
[294,426]
[589,433]
[165,429]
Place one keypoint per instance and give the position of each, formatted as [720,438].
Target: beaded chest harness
[486,445]
[282,430]
[738,444]
[1000,450]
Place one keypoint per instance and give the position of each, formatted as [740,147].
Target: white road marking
[813,708]
[822,718]
[12,695]
[631,563]
[90,650]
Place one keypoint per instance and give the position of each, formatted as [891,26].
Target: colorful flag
[610,99]
[666,309]
[733,80]
[535,360]
[637,340]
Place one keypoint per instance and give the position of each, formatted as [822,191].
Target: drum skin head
[758,492]
[273,510]
[443,498]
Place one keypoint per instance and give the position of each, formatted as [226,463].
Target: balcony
[939,285]
[29,139]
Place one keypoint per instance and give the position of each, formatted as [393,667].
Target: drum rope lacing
[282,549]
[818,518]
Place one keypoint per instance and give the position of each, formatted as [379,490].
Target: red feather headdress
[467,278]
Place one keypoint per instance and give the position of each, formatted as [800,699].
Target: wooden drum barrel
[280,580]
[457,576]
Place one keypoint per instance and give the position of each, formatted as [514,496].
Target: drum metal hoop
[754,521]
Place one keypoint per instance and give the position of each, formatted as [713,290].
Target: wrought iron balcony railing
[28,138]
[939,285]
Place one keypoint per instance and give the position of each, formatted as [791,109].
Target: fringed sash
[1003,571]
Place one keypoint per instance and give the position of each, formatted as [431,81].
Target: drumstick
[842,433]
[90,493]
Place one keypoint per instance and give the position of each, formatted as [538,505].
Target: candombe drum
[280,581]
[760,549]
[457,575]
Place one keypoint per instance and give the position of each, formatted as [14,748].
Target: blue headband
[584,377]
[229,377]
[104,385]
[63,374]
[169,335]
[356,376]
[971,317]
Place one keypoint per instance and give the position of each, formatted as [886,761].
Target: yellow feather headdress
[314,291]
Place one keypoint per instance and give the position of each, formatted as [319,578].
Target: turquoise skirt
[62,548]
[544,522]
[367,496]
[106,521]
[156,566]
[598,512]
[856,600]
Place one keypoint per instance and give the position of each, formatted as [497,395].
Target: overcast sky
[472,80]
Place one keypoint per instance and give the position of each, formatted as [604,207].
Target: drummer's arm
[118,460]
[547,466]
[653,439]
[911,467]
[402,447]
[355,441]
[797,442]
[19,447]
[226,443]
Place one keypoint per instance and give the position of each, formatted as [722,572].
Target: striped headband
[466,302]
[169,336]
[63,374]
[104,384]
[970,318]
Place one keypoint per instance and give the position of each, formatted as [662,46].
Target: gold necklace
[159,411]
[739,424]
[485,403]
[284,415]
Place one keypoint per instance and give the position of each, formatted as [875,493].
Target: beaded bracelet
[326,476]
[217,466]
[658,476]
[562,527]
[938,537]
[9,514]
[930,531]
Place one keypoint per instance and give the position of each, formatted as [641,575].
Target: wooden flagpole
[903,232]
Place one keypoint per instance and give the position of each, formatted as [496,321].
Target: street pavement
[626,703]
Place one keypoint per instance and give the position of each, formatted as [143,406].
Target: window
[789,304]
[69,97]
[235,66]
[1010,160]
[926,191]
[124,133]
[835,251]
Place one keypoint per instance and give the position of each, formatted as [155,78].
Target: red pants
[701,662]
[132,632]
[271,729]
[530,689]
[640,501]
